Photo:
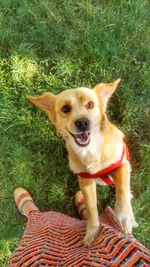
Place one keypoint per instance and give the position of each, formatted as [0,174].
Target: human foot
[80,204]
[24,201]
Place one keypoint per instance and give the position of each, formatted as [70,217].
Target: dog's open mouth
[81,139]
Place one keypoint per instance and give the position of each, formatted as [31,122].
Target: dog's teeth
[79,140]
[82,139]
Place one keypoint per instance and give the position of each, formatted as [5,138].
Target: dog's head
[77,113]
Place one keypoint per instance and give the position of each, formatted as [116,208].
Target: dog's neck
[104,149]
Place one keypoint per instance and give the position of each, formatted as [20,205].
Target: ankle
[24,201]
[27,207]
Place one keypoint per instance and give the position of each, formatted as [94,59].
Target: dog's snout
[82,124]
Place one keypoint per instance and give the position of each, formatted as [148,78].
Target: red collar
[104,174]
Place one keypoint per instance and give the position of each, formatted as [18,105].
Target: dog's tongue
[83,137]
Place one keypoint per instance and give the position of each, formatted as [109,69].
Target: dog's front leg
[88,188]
[123,208]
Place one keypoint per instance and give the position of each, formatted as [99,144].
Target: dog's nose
[82,124]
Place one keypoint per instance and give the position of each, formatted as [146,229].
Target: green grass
[50,46]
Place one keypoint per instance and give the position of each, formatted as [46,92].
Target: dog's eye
[66,108]
[90,105]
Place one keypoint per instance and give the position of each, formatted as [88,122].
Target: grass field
[51,45]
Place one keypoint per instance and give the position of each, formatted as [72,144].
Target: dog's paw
[91,234]
[125,222]
[134,223]
[125,218]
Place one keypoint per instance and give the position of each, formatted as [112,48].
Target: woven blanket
[55,239]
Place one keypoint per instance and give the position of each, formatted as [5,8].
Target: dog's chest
[88,159]
[92,160]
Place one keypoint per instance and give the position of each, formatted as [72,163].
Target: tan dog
[93,144]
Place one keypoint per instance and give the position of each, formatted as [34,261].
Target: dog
[97,151]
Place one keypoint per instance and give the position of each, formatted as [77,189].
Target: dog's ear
[105,90]
[45,102]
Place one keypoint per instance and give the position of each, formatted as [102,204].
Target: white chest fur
[91,157]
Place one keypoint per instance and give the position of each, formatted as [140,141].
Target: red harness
[104,175]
